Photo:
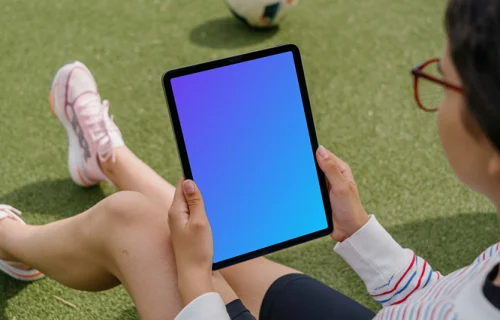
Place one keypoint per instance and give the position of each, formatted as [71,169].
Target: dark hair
[473,28]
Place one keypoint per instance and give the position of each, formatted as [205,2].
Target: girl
[125,238]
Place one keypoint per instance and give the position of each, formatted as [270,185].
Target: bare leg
[123,239]
[128,172]
[250,280]
[120,240]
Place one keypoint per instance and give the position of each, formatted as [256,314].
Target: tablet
[245,135]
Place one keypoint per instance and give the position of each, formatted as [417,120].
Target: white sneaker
[92,134]
[16,270]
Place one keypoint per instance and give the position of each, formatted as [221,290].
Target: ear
[494,164]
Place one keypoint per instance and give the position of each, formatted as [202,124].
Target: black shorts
[300,297]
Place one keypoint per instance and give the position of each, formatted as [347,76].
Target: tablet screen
[249,149]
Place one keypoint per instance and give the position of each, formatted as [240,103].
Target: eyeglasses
[425,77]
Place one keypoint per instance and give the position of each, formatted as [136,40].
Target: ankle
[7,228]
[109,166]
[106,167]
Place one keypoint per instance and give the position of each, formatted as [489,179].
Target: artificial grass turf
[357,56]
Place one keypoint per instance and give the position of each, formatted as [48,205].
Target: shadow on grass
[228,33]
[450,243]
[60,198]
[8,288]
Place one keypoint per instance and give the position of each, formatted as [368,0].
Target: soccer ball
[261,13]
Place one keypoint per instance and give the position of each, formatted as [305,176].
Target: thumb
[178,213]
[194,200]
[329,166]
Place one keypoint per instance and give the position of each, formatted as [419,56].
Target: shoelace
[9,209]
[101,125]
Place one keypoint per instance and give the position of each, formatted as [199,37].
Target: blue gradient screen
[248,146]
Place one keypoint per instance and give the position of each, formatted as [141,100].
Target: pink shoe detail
[92,134]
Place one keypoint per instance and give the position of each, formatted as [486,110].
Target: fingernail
[188,187]
[322,152]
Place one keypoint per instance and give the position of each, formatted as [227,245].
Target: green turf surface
[357,56]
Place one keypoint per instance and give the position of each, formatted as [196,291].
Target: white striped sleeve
[391,274]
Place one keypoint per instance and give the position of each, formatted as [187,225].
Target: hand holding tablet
[245,135]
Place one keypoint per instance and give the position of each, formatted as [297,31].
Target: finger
[329,166]
[194,201]
[342,166]
[178,212]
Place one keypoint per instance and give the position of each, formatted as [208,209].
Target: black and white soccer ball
[261,13]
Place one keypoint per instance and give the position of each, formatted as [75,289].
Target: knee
[128,223]
[128,208]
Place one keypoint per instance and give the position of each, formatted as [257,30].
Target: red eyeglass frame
[418,73]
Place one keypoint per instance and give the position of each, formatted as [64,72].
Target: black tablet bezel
[174,116]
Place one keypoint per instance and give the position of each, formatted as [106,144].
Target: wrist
[193,285]
[359,222]
[223,288]
[351,228]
